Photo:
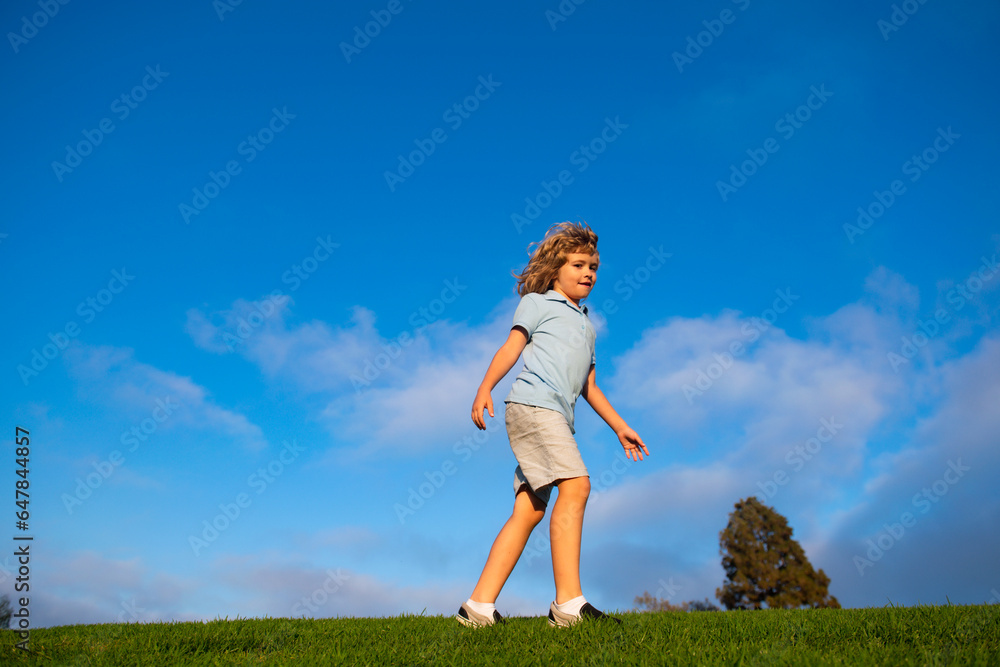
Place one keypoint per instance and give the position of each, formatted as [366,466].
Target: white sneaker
[468,617]
[563,620]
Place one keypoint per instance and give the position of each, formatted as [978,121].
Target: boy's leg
[507,548]
[565,530]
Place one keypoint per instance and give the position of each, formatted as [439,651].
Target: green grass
[944,635]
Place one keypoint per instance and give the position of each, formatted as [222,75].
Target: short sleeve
[527,314]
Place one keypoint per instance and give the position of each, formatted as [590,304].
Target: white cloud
[945,479]
[88,587]
[143,393]
[295,590]
[684,377]
[760,423]
[899,437]
[314,356]
[411,392]
[890,292]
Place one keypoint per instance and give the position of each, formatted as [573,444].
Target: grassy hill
[939,635]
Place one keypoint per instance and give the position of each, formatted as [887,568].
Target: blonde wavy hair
[550,254]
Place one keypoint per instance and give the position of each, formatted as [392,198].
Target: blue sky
[255,277]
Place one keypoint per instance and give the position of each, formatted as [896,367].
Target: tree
[652,603]
[765,566]
[701,605]
[5,611]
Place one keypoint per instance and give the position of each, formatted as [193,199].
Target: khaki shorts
[544,448]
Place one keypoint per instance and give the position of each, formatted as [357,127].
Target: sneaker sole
[560,623]
[469,623]
[556,622]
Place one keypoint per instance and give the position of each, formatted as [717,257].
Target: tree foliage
[764,566]
[649,602]
[5,611]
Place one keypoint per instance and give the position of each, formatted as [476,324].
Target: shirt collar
[553,295]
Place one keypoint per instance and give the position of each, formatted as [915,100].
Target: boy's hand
[483,402]
[632,443]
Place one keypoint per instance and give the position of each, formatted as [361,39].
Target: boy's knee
[529,508]
[530,516]
[577,488]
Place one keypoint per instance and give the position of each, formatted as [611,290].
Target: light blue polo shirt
[558,356]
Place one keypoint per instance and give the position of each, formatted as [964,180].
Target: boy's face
[577,276]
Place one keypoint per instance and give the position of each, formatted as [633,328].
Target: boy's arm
[503,361]
[630,439]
